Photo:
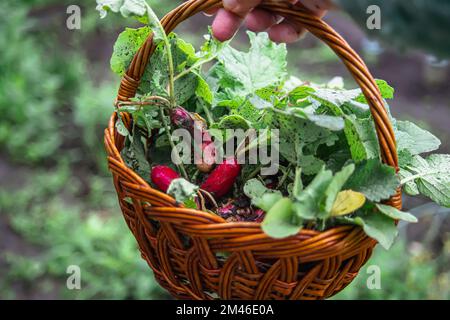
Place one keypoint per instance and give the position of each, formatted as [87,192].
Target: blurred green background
[57,203]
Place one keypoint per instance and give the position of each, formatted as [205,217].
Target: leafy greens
[330,167]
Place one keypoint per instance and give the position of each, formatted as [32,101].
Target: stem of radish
[169,136]
[153,17]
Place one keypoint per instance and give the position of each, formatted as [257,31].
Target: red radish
[163,176]
[204,150]
[205,158]
[260,214]
[181,118]
[221,180]
[271,183]
[227,210]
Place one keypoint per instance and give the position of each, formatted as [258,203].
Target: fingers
[260,20]
[229,19]
[285,32]
[225,25]
[240,7]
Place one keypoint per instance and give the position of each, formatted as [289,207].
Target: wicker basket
[197,255]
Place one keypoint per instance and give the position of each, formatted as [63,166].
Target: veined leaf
[267,201]
[156,76]
[430,177]
[134,8]
[375,180]
[334,99]
[127,44]
[362,138]
[329,122]
[233,121]
[300,93]
[298,183]
[183,191]
[264,65]
[396,214]
[121,128]
[310,164]
[255,190]
[317,199]
[387,92]
[414,139]
[310,203]
[203,90]
[134,155]
[378,226]
[278,222]
[404,158]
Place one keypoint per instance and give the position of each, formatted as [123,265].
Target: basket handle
[302,16]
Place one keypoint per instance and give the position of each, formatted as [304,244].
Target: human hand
[235,12]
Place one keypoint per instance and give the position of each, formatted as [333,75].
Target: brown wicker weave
[197,255]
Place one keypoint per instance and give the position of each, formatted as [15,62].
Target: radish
[162,177]
[260,214]
[181,118]
[227,210]
[232,212]
[221,180]
[205,153]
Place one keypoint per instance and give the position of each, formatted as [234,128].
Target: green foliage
[430,177]
[54,108]
[378,226]
[135,155]
[255,189]
[28,103]
[396,214]
[315,203]
[414,274]
[73,234]
[414,139]
[362,138]
[403,23]
[136,8]
[278,221]
[242,73]
[183,191]
[126,46]
[157,75]
[42,98]
[316,123]
[375,180]
[92,109]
